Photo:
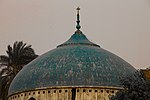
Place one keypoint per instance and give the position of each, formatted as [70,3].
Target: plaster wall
[78,93]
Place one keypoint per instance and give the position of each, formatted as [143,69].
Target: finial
[78,19]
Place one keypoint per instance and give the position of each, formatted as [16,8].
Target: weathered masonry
[76,70]
[67,93]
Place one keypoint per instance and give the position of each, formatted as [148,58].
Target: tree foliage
[17,56]
[136,87]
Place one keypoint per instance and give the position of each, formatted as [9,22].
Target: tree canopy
[17,56]
[136,87]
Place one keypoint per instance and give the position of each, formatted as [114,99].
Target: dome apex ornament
[78,8]
[78,19]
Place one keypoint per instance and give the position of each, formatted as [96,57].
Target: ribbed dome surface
[77,62]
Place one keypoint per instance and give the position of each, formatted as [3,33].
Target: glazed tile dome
[77,62]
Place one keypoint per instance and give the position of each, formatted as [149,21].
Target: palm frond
[19,55]
[4,60]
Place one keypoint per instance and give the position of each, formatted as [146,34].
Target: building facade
[76,70]
[146,73]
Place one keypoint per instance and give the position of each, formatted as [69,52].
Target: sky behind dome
[119,26]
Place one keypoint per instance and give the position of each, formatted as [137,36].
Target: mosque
[77,69]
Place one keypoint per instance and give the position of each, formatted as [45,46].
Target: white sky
[119,26]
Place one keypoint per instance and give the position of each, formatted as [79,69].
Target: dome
[77,62]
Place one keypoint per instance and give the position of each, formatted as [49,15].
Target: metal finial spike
[78,9]
[78,19]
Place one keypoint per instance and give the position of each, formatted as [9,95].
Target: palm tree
[17,56]
[6,76]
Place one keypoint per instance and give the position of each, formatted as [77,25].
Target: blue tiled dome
[77,62]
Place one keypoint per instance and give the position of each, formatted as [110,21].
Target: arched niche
[32,98]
